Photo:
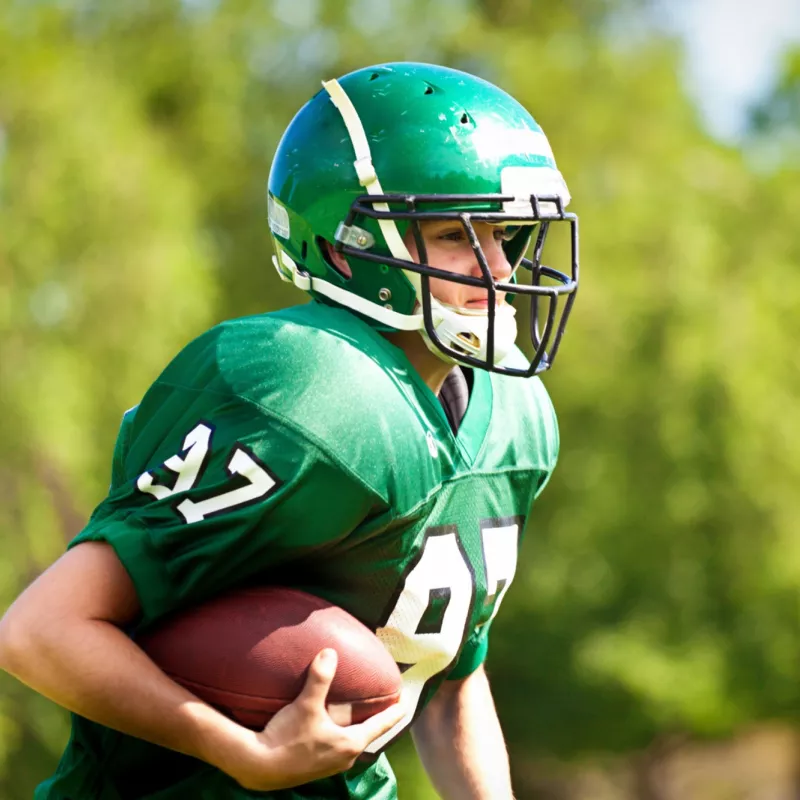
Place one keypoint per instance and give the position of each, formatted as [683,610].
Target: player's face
[448,248]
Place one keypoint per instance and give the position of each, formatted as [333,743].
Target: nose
[496,258]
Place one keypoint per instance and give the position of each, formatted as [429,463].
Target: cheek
[446,291]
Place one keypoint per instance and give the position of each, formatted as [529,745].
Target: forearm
[63,637]
[93,669]
[460,742]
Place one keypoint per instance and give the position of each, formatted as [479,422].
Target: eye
[452,236]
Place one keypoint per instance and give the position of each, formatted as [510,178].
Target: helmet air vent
[470,339]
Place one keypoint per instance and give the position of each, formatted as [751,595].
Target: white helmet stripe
[367,176]
[465,332]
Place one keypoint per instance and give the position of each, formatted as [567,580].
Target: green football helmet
[386,147]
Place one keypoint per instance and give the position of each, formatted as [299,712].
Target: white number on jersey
[197,444]
[500,546]
[442,566]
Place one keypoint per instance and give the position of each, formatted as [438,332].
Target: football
[247,654]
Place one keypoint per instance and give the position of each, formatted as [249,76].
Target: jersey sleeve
[121,448]
[473,654]
[220,501]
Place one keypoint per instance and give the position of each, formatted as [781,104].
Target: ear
[336,259]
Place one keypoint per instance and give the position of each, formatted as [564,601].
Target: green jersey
[301,448]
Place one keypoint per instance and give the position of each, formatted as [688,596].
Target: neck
[430,367]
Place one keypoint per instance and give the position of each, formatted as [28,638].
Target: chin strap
[468,332]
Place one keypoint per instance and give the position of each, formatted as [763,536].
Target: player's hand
[302,743]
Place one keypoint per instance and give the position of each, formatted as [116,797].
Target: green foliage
[773,140]
[658,588]
[779,113]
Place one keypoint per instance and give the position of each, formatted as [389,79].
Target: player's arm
[460,743]
[63,637]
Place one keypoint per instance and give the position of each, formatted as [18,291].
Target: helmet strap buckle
[353,236]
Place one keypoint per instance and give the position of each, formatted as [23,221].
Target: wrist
[221,742]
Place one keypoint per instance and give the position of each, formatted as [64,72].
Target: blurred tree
[776,118]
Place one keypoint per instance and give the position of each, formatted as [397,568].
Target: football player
[380,446]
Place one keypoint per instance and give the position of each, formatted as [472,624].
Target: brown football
[247,653]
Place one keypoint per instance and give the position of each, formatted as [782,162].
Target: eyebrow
[443,224]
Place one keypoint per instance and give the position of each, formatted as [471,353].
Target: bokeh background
[650,646]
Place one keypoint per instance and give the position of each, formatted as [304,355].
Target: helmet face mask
[432,167]
[546,325]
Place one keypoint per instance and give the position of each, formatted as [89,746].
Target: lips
[484,302]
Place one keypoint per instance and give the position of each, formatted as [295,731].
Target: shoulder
[317,370]
[526,409]
[276,359]
[525,394]
[308,362]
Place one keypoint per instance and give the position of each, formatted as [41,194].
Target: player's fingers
[320,676]
[370,729]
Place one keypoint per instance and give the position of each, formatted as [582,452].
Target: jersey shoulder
[283,354]
[287,360]
[309,348]
[322,372]
[524,422]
